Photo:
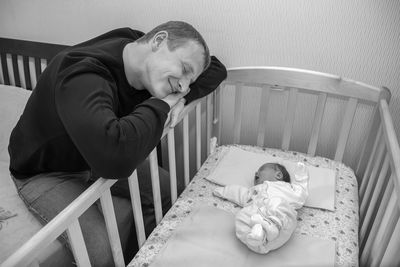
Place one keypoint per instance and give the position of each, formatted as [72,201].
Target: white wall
[358,39]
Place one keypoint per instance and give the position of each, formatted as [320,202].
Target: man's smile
[173,91]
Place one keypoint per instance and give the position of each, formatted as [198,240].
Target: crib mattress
[340,225]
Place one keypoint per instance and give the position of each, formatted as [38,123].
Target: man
[98,110]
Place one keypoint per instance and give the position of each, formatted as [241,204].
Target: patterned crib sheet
[340,226]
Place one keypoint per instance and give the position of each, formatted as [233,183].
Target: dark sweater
[83,114]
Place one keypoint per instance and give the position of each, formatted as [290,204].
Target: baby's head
[271,172]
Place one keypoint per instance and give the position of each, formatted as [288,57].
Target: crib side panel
[327,116]
[379,193]
[381,238]
[22,62]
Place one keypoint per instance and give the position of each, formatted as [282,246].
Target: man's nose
[183,85]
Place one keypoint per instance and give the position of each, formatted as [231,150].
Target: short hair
[179,33]
[285,173]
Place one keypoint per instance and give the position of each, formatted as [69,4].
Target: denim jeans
[47,194]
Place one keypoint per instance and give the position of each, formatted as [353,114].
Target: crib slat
[112,228]
[198,136]
[21,71]
[391,257]
[290,116]
[1,73]
[386,228]
[78,245]
[155,183]
[209,120]
[28,83]
[368,170]
[137,208]
[172,164]
[4,67]
[262,121]
[346,127]
[186,149]
[32,72]
[372,179]
[43,63]
[368,241]
[237,114]
[372,129]
[218,112]
[319,113]
[17,79]
[38,67]
[367,212]
[392,144]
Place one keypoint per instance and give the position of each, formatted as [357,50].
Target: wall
[357,39]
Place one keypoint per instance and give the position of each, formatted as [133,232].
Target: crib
[287,110]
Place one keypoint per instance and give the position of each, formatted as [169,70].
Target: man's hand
[176,103]
[173,99]
[175,111]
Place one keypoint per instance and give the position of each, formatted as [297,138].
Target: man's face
[173,71]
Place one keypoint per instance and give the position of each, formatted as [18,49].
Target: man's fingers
[175,112]
[174,119]
[168,120]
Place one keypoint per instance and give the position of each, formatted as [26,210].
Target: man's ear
[158,39]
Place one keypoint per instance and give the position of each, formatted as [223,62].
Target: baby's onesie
[269,215]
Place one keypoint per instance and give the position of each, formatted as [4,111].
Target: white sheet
[207,238]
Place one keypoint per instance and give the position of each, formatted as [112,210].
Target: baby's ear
[279,175]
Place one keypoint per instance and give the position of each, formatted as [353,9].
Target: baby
[269,216]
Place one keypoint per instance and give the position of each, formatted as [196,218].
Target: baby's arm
[235,193]
[300,185]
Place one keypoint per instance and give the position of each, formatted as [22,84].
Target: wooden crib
[289,109]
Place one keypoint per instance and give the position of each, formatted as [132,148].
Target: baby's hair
[286,176]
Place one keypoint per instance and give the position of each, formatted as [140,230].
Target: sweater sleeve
[208,81]
[112,146]
[235,193]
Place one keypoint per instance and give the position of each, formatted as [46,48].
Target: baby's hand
[301,171]
[218,192]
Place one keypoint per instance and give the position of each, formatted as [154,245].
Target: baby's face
[268,172]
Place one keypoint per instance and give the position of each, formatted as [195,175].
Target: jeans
[47,194]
